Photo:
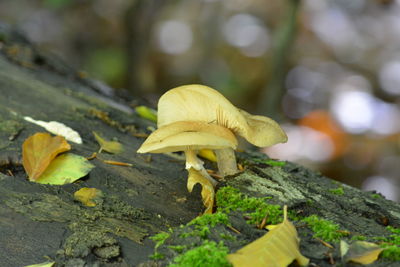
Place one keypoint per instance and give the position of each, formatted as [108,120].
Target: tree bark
[44,222]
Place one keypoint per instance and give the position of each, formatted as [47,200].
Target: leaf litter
[43,163]
[279,247]
[39,150]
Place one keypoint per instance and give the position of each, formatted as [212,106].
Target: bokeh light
[389,77]
[383,185]
[247,33]
[174,37]
[354,110]
[304,144]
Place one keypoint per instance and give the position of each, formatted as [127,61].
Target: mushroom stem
[226,161]
[192,161]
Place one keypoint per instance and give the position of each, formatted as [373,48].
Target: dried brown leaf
[360,252]
[278,248]
[39,150]
[112,147]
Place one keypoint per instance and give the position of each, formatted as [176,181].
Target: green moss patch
[270,162]
[160,238]
[391,245]
[209,253]
[203,223]
[230,199]
[324,229]
[206,240]
[337,191]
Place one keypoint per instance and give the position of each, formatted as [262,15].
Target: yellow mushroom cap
[188,135]
[264,131]
[202,103]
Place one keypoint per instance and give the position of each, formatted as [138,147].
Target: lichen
[209,253]
[277,183]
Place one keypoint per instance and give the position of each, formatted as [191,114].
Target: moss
[391,245]
[157,256]
[270,162]
[203,223]
[160,238]
[2,37]
[227,237]
[359,238]
[337,191]
[376,196]
[208,254]
[210,219]
[178,248]
[230,198]
[324,229]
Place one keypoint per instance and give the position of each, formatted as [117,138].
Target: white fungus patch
[58,128]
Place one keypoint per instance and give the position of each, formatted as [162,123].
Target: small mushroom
[202,103]
[189,136]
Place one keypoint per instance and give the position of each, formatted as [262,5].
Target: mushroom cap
[188,135]
[201,103]
[263,130]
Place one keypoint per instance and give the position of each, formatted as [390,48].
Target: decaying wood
[42,222]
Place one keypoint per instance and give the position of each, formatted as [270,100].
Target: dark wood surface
[40,222]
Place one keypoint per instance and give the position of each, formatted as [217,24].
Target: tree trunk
[41,223]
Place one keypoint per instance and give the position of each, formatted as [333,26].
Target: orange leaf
[39,150]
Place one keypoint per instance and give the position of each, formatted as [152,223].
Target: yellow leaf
[147,113]
[113,147]
[65,169]
[88,196]
[39,150]
[277,248]
[207,191]
[44,264]
[360,252]
[208,154]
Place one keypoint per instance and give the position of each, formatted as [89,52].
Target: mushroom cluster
[194,117]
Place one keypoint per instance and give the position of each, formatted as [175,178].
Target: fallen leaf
[113,147]
[360,252]
[208,154]
[39,150]
[207,191]
[146,113]
[44,264]
[65,169]
[344,247]
[88,196]
[279,247]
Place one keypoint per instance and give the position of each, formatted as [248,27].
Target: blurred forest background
[327,70]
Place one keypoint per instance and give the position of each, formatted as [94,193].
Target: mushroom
[202,103]
[189,136]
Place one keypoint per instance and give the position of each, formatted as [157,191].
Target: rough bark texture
[41,222]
